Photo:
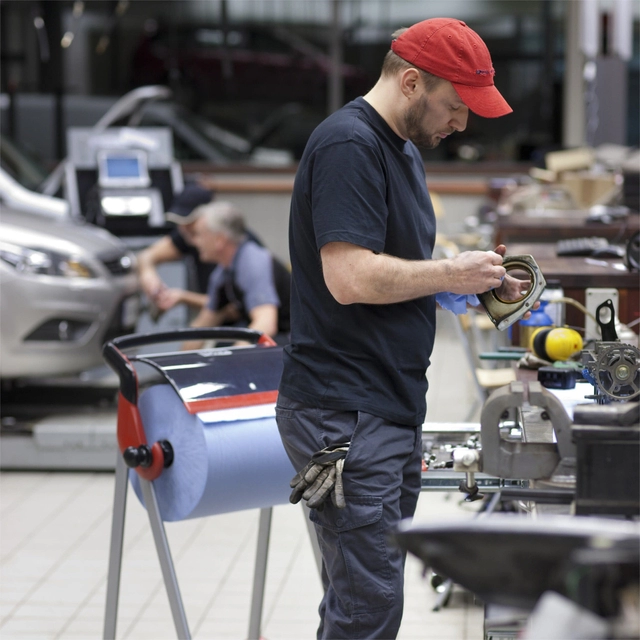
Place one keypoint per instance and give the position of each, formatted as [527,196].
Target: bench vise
[594,457]
[544,450]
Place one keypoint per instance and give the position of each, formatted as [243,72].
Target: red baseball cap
[449,49]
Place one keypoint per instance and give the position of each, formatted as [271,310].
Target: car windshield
[25,170]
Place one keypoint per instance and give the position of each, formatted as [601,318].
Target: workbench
[576,274]
[553,225]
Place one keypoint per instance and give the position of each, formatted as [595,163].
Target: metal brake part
[617,371]
[503,313]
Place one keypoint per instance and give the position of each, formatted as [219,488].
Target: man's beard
[413,120]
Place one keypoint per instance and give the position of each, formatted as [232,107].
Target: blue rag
[456,302]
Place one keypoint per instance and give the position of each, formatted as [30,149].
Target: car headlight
[44,262]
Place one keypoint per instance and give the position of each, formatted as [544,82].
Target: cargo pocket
[355,553]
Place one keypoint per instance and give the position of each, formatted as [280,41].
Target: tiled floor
[54,546]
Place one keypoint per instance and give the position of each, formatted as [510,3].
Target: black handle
[178,335]
[113,356]
[143,457]
[137,456]
[608,329]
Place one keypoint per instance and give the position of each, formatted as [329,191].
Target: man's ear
[409,81]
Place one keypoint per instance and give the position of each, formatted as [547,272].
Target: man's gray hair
[224,217]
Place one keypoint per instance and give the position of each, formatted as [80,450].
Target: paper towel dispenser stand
[149,461]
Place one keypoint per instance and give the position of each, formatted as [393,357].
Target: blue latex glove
[456,302]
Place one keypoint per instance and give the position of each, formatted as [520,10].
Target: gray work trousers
[363,571]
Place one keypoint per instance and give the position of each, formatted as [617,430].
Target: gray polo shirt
[248,281]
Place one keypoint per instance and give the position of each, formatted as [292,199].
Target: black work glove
[321,477]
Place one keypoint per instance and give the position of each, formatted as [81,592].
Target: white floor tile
[17,627]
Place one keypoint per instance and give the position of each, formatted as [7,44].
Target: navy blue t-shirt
[359,182]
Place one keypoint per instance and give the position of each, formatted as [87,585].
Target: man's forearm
[149,279]
[162,250]
[264,318]
[357,275]
[193,299]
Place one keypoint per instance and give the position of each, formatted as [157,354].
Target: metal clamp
[526,460]
[503,313]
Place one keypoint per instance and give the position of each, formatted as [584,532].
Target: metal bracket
[503,313]
[525,460]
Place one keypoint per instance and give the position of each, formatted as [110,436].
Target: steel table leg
[166,563]
[115,551]
[260,573]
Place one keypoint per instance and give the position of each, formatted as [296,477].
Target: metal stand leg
[166,564]
[260,573]
[115,552]
[445,594]
[487,508]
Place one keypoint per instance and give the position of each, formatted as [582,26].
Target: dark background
[261,68]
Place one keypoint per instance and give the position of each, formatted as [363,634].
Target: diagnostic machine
[122,178]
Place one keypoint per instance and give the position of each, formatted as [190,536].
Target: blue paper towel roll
[219,466]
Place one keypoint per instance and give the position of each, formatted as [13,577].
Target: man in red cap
[448,49]
[364,286]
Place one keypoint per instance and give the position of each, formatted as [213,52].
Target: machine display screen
[123,169]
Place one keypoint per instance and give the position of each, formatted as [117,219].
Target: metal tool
[503,313]
[614,370]
[606,317]
[612,367]
[506,457]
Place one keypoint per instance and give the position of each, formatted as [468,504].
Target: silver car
[66,287]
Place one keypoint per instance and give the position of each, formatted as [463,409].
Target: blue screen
[123,167]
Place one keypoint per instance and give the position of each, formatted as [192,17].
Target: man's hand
[229,313]
[513,288]
[162,250]
[168,298]
[476,272]
[152,285]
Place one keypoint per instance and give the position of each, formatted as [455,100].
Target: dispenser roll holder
[149,460]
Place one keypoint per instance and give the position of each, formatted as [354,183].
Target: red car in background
[240,63]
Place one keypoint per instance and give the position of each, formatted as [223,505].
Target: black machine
[121,178]
[586,566]
[117,175]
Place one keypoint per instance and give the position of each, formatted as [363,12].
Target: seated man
[176,245]
[249,287]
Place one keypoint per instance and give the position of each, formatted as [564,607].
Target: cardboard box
[570,159]
[588,189]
